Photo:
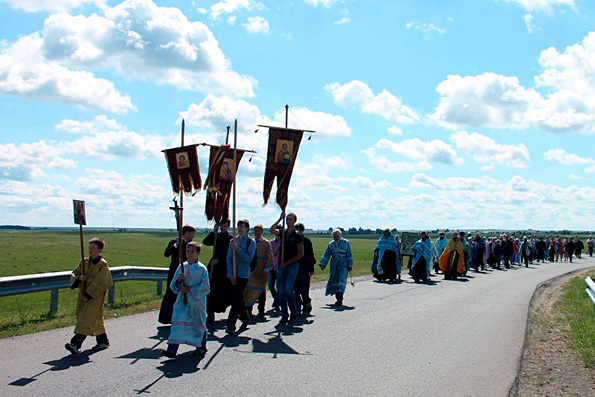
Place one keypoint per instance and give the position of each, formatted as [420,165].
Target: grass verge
[575,308]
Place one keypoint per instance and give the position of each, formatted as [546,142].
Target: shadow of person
[184,363]
[149,353]
[66,362]
[337,308]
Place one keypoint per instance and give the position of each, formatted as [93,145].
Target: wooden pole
[181,222]
[283,209]
[235,164]
[83,271]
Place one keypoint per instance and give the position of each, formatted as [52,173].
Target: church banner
[184,171]
[220,181]
[281,156]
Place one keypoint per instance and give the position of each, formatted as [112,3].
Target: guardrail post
[111,292]
[159,287]
[54,301]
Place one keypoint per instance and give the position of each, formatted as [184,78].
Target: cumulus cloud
[25,72]
[358,94]
[486,150]
[487,100]
[141,40]
[326,125]
[382,163]
[51,5]
[99,124]
[425,181]
[426,28]
[543,5]
[560,156]
[28,161]
[531,28]
[342,21]
[563,99]
[231,6]
[324,3]
[257,25]
[416,149]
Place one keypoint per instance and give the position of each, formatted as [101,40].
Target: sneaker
[308,307]
[72,348]
[168,354]
[230,330]
[340,302]
[283,320]
[199,351]
[261,313]
[293,316]
[100,346]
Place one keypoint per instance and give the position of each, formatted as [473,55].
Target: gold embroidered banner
[220,181]
[281,156]
[184,171]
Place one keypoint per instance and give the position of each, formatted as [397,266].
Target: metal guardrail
[590,289]
[25,284]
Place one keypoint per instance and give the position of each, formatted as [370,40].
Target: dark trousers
[238,307]
[302,289]
[590,251]
[526,260]
[78,339]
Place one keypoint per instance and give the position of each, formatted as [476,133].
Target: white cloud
[590,170]
[28,161]
[98,124]
[257,25]
[51,5]
[578,177]
[543,5]
[416,149]
[490,100]
[141,40]
[560,156]
[231,6]
[359,94]
[324,3]
[342,21]
[531,28]
[425,181]
[394,130]
[426,28]
[326,125]
[392,166]
[107,139]
[25,72]
[486,150]
[487,100]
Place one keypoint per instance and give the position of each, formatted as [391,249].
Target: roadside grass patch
[575,308]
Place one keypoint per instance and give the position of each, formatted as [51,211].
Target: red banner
[220,181]
[281,156]
[184,171]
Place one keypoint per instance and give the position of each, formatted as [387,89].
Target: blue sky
[450,114]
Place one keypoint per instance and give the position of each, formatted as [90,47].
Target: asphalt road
[453,338]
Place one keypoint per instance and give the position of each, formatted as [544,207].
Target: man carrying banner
[172,250]
[93,283]
[293,251]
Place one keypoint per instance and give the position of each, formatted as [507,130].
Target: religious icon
[284,151]
[182,160]
[79,212]
[226,173]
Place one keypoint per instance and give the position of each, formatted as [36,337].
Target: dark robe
[219,299]
[167,304]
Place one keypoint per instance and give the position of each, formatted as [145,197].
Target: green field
[40,251]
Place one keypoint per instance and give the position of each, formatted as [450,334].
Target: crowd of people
[240,270]
[456,256]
